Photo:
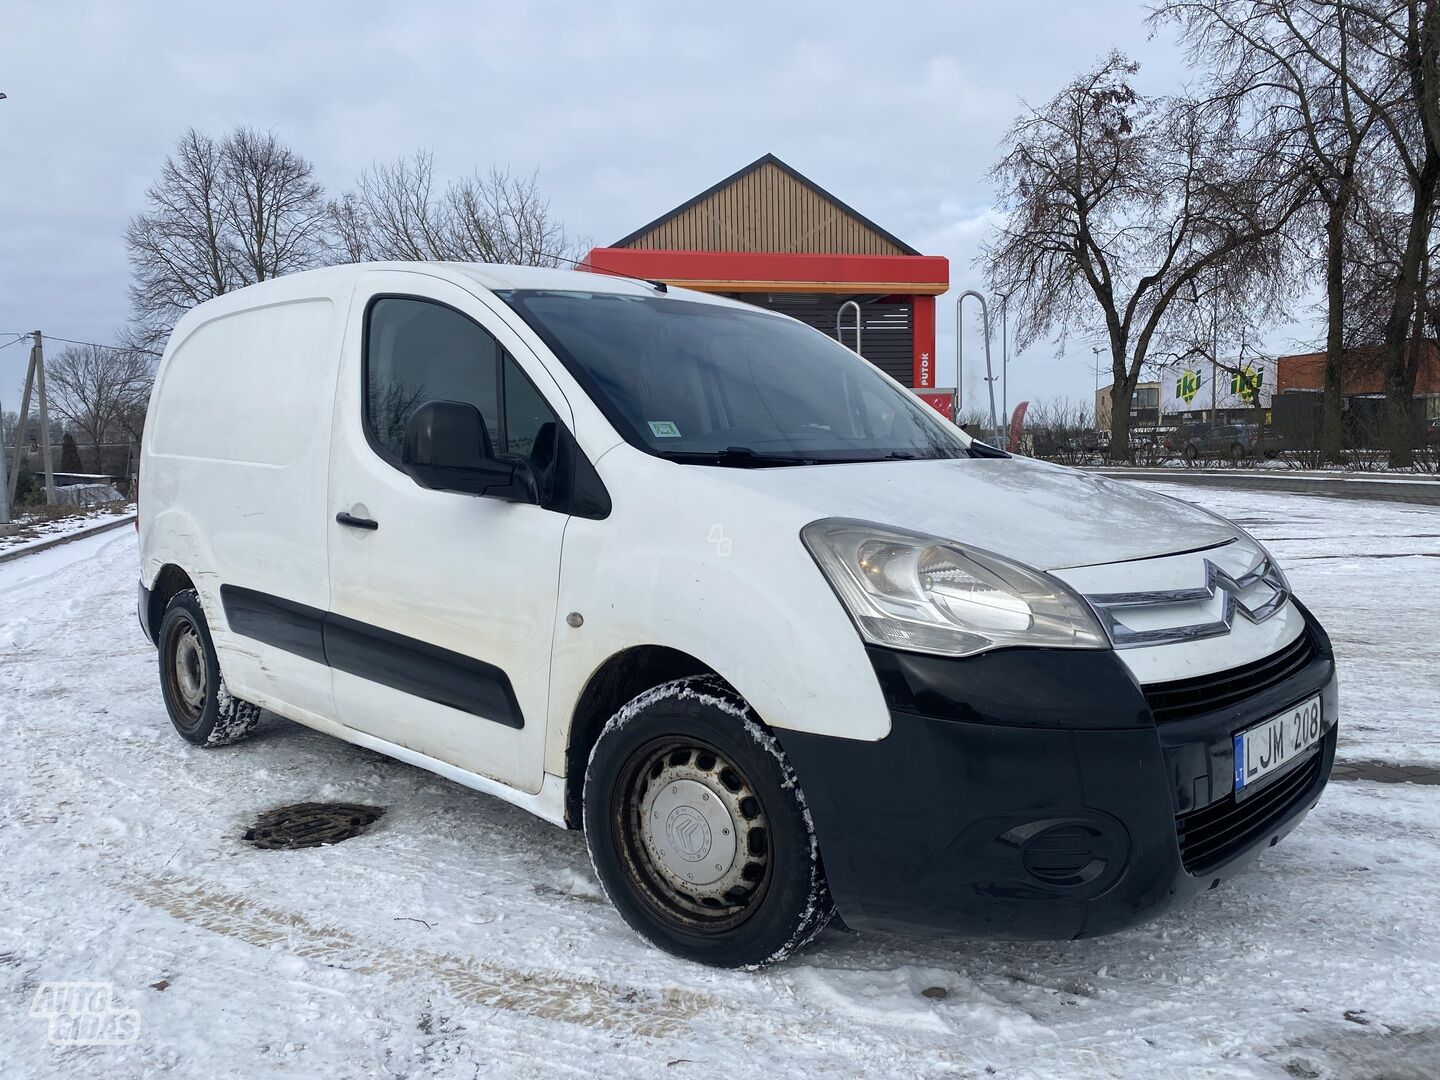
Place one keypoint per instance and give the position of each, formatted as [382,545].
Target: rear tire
[698,830]
[203,711]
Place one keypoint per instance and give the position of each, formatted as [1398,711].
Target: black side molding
[402,663]
[295,628]
[419,668]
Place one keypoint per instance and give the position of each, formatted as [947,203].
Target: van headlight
[926,594]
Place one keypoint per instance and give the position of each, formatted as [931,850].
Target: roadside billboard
[1200,386]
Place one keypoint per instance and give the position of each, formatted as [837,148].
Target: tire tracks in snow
[661,1014]
[545,995]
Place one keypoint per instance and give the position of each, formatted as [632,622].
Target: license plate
[1267,748]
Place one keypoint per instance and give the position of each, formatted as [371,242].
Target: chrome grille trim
[1107,606]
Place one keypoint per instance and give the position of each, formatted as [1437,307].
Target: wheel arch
[171,579]
[623,676]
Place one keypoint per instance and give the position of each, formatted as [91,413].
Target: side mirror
[448,448]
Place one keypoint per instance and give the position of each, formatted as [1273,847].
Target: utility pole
[20,426]
[34,379]
[4,476]
[45,456]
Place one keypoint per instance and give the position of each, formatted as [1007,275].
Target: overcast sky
[625,109]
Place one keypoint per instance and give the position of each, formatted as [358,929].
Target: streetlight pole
[960,356]
[1005,360]
[1214,356]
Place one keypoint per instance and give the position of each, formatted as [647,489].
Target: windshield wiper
[734,457]
[892,455]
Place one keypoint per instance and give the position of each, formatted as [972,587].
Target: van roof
[493,276]
[332,280]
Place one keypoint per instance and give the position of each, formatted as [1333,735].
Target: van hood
[1046,516]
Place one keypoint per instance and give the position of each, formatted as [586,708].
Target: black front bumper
[1030,793]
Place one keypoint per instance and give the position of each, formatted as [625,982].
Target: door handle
[368,524]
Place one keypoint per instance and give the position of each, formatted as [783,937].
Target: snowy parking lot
[461,937]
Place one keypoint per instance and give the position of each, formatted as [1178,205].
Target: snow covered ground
[31,531]
[461,937]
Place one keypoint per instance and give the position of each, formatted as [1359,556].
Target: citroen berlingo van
[695,578]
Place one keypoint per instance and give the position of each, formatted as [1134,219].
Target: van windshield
[717,385]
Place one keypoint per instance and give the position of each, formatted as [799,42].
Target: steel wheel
[203,711]
[695,836]
[187,670]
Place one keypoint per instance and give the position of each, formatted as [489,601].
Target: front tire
[203,711]
[698,830]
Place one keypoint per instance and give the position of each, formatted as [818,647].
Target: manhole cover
[310,825]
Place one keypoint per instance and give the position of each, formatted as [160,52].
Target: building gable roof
[767,206]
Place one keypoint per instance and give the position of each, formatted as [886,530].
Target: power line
[92,344]
[97,345]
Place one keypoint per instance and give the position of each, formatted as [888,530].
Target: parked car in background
[1432,432]
[694,577]
[1207,440]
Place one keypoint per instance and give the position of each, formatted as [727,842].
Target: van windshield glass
[718,385]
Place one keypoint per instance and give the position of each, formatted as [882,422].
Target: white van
[697,579]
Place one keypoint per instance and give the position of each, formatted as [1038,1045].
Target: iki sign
[1187,386]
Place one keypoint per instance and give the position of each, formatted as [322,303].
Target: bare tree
[1299,59]
[1118,204]
[1405,35]
[98,390]
[224,214]
[1373,258]
[273,205]
[177,248]
[1061,429]
[398,211]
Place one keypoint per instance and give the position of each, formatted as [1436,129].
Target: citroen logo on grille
[1264,579]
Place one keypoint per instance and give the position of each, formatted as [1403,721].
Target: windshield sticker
[664,429]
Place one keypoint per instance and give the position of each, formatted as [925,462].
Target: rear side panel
[235,469]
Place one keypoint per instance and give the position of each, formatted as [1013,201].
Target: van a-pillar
[774,238]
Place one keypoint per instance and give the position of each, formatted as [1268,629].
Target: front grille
[1184,698]
[1215,833]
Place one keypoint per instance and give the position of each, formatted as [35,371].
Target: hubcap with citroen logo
[698,835]
[689,832]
